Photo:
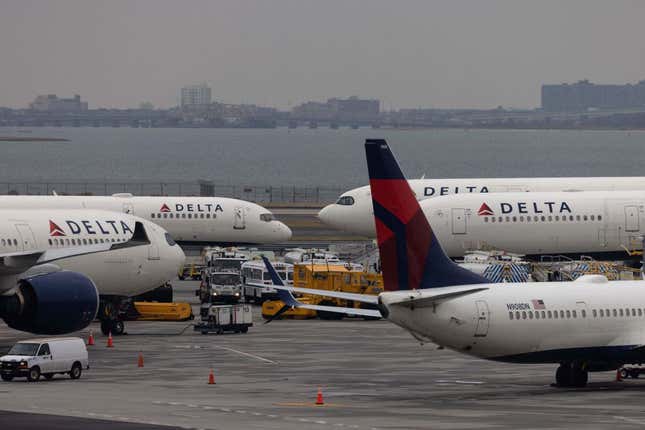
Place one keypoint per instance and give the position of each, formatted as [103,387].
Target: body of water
[304,157]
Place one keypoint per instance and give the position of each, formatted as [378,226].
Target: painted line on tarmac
[630,420]
[246,354]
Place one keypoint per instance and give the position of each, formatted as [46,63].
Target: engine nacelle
[53,303]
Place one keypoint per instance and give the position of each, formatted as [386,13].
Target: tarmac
[372,374]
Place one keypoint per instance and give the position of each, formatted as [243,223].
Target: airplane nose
[325,215]
[284,232]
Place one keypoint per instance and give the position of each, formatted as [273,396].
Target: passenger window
[523,315]
[615,313]
[15,242]
[568,314]
[183,215]
[84,241]
[535,218]
[485,219]
[599,217]
[633,312]
[640,312]
[573,314]
[537,315]
[550,218]
[592,217]
[562,314]
[500,219]
[549,314]
[165,215]
[543,314]
[602,314]
[594,313]
[557,217]
[583,313]
[152,215]
[517,315]
[190,215]
[577,217]
[508,219]
[626,312]
[530,315]
[570,217]
[522,218]
[492,219]
[208,216]
[584,217]
[555,315]
[510,315]
[50,241]
[44,349]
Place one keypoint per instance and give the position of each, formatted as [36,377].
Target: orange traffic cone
[211,378]
[110,342]
[319,398]
[90,340]
[140,361]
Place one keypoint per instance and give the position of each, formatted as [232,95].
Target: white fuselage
[128,271]
[353,211]
[517,322]
[591,223]
[187,219]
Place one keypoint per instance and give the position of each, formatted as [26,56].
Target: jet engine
[51,304]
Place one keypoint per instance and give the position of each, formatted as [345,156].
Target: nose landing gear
[109,316]
[573,374]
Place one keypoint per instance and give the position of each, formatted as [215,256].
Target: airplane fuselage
[589,320]
[187,219]
[127,271]
[353,210]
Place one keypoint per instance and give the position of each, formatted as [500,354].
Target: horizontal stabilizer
[363,298]
[427,298]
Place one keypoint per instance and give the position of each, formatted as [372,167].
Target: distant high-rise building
[584,95]
[351,109]
[51,103]
[195,95]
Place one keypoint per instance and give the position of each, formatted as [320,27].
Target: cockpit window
[170,240]
[266,217]
[345,201]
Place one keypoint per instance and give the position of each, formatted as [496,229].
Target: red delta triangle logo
[164,208]
[55,230]
[484,209]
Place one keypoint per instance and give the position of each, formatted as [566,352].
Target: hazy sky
[452,53]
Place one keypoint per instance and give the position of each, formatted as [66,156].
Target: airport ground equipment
[254,272]
[343,277]
[224,287]
[190,271]
[222,318]
[271,307]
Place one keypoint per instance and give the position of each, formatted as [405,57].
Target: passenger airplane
[352,212]
[601,224]
[54,264]
[587,325]
[190,220]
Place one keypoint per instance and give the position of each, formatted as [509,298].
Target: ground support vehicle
[191,271]
[222,318]
[47,357]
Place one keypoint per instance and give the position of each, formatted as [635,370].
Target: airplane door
[128,208]
[239,223]
[458,221]
[483,316]
[27,239]
[631,218]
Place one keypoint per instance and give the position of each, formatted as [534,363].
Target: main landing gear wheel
[109,316]
[571,375]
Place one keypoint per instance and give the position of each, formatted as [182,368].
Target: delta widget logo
[485,210]
[164,208]
[55,230]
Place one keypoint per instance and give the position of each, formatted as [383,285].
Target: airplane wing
[284,294]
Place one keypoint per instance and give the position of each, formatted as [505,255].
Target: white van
[34,357]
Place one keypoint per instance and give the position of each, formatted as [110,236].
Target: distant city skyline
[434,54]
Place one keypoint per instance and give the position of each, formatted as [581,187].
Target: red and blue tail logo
[411,257]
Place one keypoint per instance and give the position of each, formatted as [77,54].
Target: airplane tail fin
[411,256]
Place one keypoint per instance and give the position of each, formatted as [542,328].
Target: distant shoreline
[31,139]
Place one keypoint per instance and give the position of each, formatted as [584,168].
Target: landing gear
[571,375]
[109,315]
